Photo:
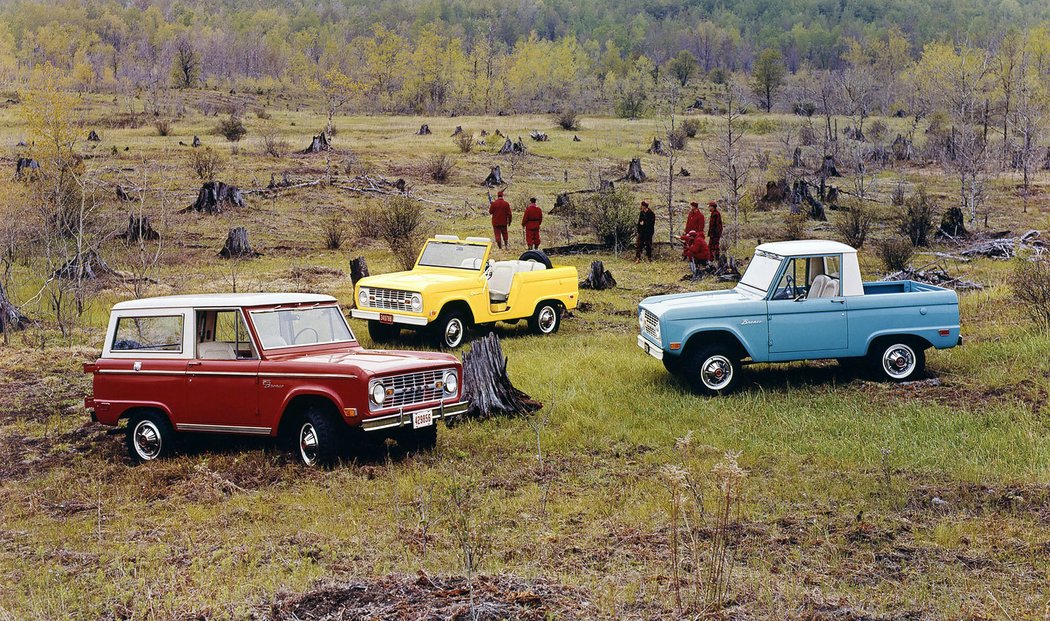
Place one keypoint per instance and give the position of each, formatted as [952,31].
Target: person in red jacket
[530,222]
[499,209]
[714,231]
[696,250]
[694,222]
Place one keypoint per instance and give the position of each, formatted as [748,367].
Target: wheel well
[911,339]
[459,305]
[715,337]
[295,409]
[557,304]
[143,409]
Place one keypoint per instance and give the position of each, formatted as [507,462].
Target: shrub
[691,127]
[163,127]
[897,197]
[794,226]
[439,168]
[856,224]
[399,222]
[464,142]
[807,136]
[896,253]
[612,216]
[333,229]
[804,108]
[877,130]
[1030,282]
[568,119]
[263,113]
[207,163]
[231,128]
[273,144]
[915,221]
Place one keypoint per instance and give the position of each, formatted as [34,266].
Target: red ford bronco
[274,364]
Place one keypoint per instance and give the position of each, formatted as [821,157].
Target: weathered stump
[458,131]
[484,133]
[538,136]
[561,202]
[901,148]
[93,136]
[139,228]
[511,148]
[657,147]
[796,158]
[196,142]
[605,185]
[11,319]
[776,191]
[24,167]
[87,266]
[952,223]
[124,195]
[800,194]
[494,179]
[237,246]
[598,278]
[318,144]
[683,172]
[486,385]
[215,196]
[358,269]
[635,173]
[424,130]
[576,138]
[698,104]
[827,168]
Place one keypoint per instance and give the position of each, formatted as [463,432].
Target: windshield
[451,254]
[761,271]
[292,327]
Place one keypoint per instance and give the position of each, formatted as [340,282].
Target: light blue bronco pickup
[798,300]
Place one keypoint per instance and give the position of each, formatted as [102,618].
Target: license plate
[386,318]
[647,347]
[422,418]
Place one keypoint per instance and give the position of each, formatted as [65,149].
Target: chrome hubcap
[717,372]
[548,318]
[308,444]
[147,440]
[453,332]
[898,361]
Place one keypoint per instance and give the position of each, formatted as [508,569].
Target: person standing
[714,231]
[646,228]
[694,222]
[530,223]
[499,209]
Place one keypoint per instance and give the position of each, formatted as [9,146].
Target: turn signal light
[943,332]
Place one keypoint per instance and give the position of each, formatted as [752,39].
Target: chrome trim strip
[399,418]
[325,375]
[374,316]
[144,372]
[223,373]
[255,431]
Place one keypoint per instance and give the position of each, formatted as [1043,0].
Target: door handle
[838,301]
[193,363]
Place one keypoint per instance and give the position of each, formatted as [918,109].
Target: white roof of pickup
[229,300]
[804,247]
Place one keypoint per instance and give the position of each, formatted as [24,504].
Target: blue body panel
[788,330]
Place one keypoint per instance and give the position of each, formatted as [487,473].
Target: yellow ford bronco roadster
[454,286]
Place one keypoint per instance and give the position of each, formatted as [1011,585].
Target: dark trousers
[646,242]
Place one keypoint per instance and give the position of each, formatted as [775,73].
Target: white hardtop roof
[805,247]
[229,300]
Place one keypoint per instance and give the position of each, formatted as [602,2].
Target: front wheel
[383,333]
[713,370]
[450,329]
[150,436]
[898,361]
[318,439]
[546,319]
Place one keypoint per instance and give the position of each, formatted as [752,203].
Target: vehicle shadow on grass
[822,374]
[358,449]
[423,339]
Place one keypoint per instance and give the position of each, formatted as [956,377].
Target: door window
[148,334]
[223,335]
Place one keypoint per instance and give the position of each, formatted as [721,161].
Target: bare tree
[1029,118]
[186,65]
[674,93]
[730,159]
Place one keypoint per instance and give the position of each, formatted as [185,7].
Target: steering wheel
[295,339]
[791,284]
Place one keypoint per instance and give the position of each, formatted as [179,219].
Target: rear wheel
[712,370]
[450,329]
[546,319]
[897,360]
[318,438]
[150,436]
[383,333]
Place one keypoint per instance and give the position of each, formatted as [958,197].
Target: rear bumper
[404,417]
[374,316]
[649,348]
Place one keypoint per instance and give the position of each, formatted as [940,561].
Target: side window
[793,281]
[148,334]
[222,335]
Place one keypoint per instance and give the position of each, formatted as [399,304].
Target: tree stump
[796,158]
[87,266]
[93,136]
[459,130]
[400,185]
[598,278]
[215,196]
[952,223]
[538,136]
[237,246]
[776,192]
[139,228]
[634,172]
[424,130]
[576,138]
[683,172]
[827,168]
[358,269]
[561,202]
[494,179]
[484,133]
[901,148]
[11,319]
[25,166]
[196,142]
[486,385]
[657,147]
[511,148]
[124,195]
[801,195]
[318,144]
[698,104]
[605,185]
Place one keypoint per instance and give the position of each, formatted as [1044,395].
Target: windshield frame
[773,276]
[484,256]
[292,307]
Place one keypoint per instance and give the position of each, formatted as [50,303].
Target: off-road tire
[673,364]
[713,370]
[149,436]
[897,360]
[546,319]
[317,438]
[383,333]
[538,256]
[442,330]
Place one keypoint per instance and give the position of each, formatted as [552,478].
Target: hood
[369,361]
[724,302]
[420,279]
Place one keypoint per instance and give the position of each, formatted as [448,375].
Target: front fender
[749,332]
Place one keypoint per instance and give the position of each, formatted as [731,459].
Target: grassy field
[862,500]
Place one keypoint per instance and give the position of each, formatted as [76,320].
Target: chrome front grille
[412,388]
[390,299]
[651,325]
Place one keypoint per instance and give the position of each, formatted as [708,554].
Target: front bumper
[374,316]
[404,417]
[652,350]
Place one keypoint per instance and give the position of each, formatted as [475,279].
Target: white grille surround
[650,325]
[390,299]
[410,389]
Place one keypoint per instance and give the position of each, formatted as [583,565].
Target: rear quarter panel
[118,387]
[920,310]
[531,288]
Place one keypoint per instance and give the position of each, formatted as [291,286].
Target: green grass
[841,471]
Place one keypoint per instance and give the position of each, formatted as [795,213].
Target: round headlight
[417,303]
[378,393]
[451,382]
[362,297]
[641,320]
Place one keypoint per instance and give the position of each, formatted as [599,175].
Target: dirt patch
[417,598]
[981,499]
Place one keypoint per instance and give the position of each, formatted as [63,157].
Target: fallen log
[486,385]
[935,275]
[538,136]
[1006,248]
[598,278]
